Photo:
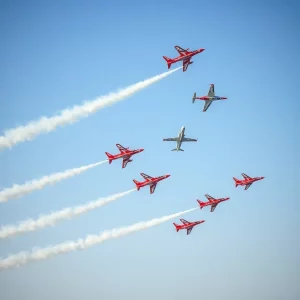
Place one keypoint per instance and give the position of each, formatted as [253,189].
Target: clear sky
[57,54]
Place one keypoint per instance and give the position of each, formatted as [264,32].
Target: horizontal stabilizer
[177,149]
[194,97]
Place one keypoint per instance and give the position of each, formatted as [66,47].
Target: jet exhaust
[18,190]
[28,132]
[52,218]
[23,258]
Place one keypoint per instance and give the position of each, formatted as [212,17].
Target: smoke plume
[28,132]
[23,258]
[52,218]
[18,190]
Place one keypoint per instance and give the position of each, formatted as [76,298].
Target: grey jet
[180,139]
[209,98]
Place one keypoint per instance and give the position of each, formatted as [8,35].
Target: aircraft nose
[262,177]
[141,149]
[201,50]
[168,175]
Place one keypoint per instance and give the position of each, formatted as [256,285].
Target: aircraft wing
[209,198]
[186,63]
[246,176]
[184,221]
[207,104]
[211,91]
[247,186]
[147,177]
[189,140]
[171,139]
[126,160]
[121,148]
[189,230]
[181,51]
[213,207]
[152,188]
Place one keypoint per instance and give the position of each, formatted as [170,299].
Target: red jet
[187,225]
[152,181]
[247,181]
[184,55]
[211,201]
[125,153]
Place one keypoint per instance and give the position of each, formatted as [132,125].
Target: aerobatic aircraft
[187,225]
[152,181]
[184,55]
[209,98]
[212,202]
[125,153]
[179,139]
[247,181]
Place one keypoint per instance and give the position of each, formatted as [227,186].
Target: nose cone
[262,177]
[225,98]
[141,150]
[168,175]
[201,50]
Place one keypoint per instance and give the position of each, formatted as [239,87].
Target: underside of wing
[247,186]
[207,105]
[126,160]
[183,221]
[171,139]
[186,63]
[189,140]
[209,197]
[189,230]
[211,91]
[121,148]
[152,188]
[181,51]
[246,176]
[213,207]
[147,177]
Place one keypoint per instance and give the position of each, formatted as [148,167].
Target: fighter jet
[209,98]
[151,181]
[179,139]
[247,181]
[211,202]
[125,153]
[187,225]
[184,55]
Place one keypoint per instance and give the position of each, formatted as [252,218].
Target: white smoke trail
[18,190]
[23,258]
[51,219]
[27,132]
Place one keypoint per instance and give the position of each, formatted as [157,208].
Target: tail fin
[168,60]
[109,157]
[194,97]
[200,203]
[236,181]
[176,226]
[137,184]
[177,149]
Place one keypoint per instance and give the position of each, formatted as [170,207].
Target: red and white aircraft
[125,153]
[184,55]
[247,181]
[187,225]
[211,201]
[209,98]
[152,181]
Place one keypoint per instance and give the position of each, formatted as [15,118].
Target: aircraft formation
[125,153]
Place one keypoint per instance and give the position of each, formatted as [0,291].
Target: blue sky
[55,55]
